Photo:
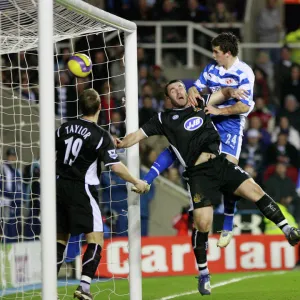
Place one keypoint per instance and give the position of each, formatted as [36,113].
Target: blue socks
[229,209]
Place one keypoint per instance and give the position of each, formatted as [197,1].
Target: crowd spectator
[282,189]
[291,110]
[117,76]
[62,58]
[265,137]
[285,127]
[147,91]
[158,82]
[282,151]
[252,152]
[100,70]
[282,71]
[146,112]
[221,14]
[27,92]
[292,86]
[11,198]
[108,104]
[261,86]
[31,177]
[194,13]
[263,113]
[117,126]
[143,77]
[269,26]
[264,63]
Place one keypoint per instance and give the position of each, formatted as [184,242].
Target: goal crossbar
[98,14]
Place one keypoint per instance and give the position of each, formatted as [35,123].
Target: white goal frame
[47,142]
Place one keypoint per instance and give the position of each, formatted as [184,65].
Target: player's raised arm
[131,139]
[163,161]
[152,127]
[225,94]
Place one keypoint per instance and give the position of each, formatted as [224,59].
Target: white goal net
[81,28]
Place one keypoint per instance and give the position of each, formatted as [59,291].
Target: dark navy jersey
[81,146]
[189,130]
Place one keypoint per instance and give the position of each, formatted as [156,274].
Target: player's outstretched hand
[118,143]
[141,187]
[193,97]
[210,109]
[239,94]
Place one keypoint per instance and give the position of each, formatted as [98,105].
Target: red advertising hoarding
[165,256]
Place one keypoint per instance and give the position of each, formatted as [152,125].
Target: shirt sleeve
[107,151]
[153,126]
[247,83]
[201,82]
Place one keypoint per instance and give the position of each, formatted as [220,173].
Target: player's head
[175,90]
[89,102]
[225,46]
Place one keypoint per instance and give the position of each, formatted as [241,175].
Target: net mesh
[19,25]
[20,227]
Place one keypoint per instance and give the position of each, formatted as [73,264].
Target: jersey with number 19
[81,145]
[215,77]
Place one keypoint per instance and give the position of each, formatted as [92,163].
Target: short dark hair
[89,102]
[227,41]
[170,82]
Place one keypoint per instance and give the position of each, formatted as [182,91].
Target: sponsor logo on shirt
[175,117]
[192,124]
[230,81]
[112,153]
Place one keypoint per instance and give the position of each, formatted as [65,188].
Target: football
[80,65]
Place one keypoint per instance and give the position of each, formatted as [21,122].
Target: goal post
[26,25]
[47,149]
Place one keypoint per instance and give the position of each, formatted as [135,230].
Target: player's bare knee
[95,238]
[257,192]
[250,190]
[203,225]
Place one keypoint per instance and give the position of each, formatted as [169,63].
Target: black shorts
[77,208]
[209,180]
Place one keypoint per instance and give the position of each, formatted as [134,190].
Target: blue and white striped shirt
[239,75]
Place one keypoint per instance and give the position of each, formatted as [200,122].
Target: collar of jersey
[86,120]
[234,64]
[180,108]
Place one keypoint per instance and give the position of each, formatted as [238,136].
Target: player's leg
[90,262]
[203,218]
[61,244]
[237,181]
[231,147]
[250,190]
[203,186]
[62,227]
[87,219]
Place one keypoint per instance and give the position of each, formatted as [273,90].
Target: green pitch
[234,286]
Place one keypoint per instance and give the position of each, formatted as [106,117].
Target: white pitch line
[222,283]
